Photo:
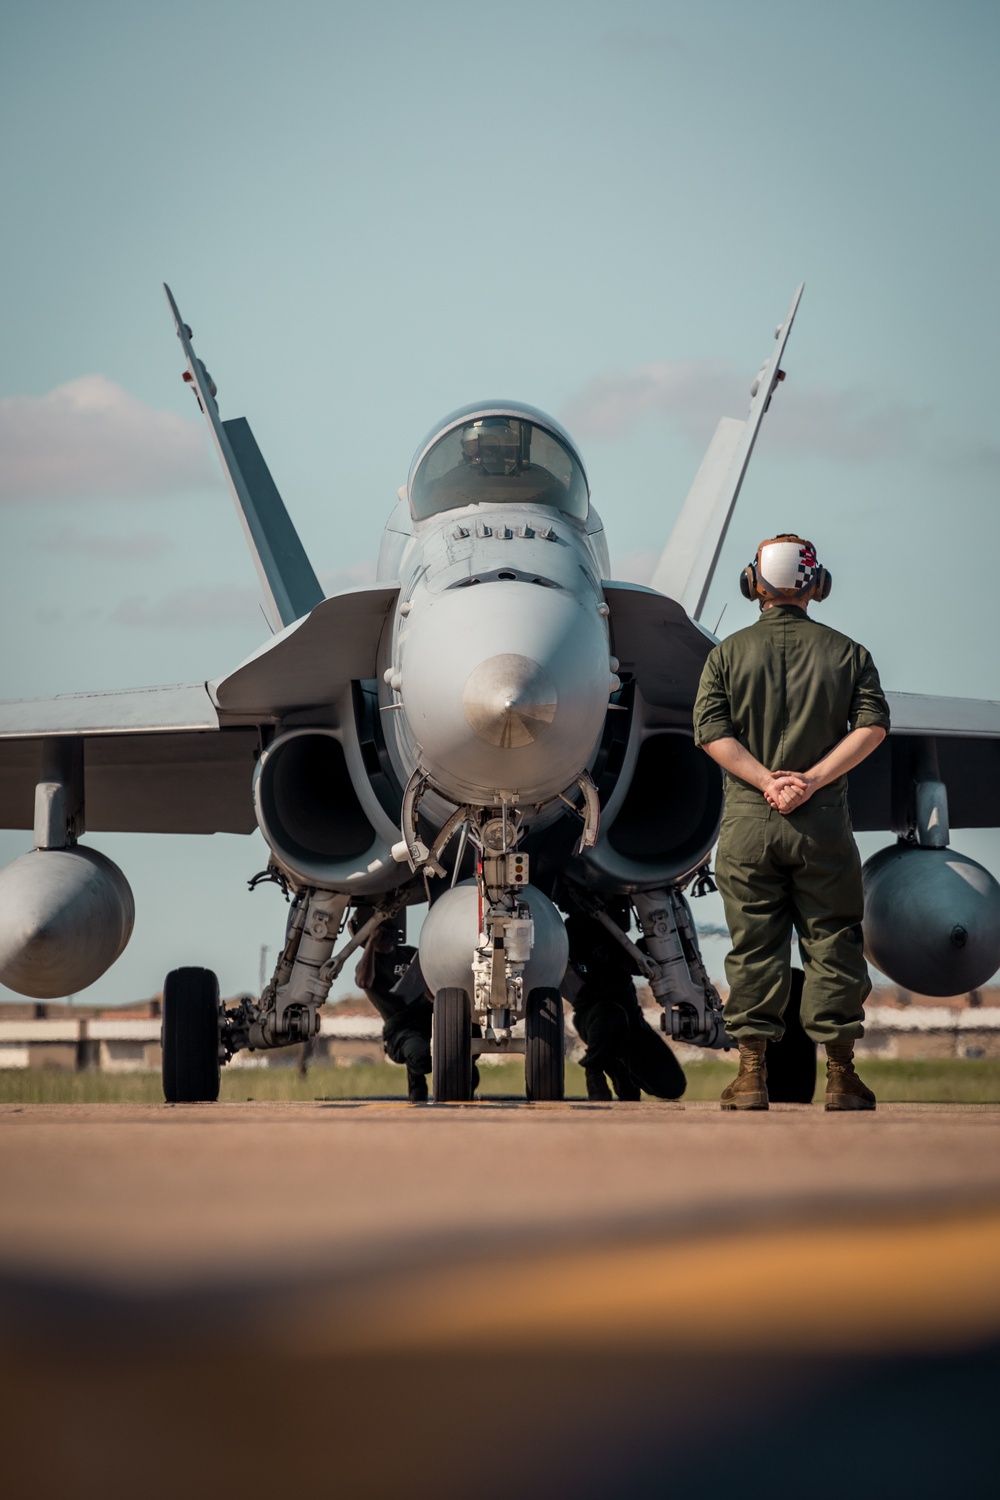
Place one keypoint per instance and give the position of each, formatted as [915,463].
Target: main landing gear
[200,1035]
[191,1047]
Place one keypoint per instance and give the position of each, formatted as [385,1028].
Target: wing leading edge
[181,759]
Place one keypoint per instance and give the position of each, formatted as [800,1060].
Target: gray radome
[451,932]
[65,916]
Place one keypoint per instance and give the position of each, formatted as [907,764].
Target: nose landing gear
[452,1047]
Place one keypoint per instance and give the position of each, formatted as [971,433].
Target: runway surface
[550,1299]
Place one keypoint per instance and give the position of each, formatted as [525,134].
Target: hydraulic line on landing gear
[288,1009]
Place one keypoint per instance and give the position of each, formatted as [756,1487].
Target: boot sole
[847,1105]
[752,1102]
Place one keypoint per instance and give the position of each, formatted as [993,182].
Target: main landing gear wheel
[451,1047]
[544,1053]
[190,1036]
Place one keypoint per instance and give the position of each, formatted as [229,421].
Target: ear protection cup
[824,583]
[748,581]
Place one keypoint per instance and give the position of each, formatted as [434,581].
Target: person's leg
[791,1063]
[650,1061]
[602,1025]
[759,918]
[829,902]
[753,883]
[416,1086]
[625,1085]
[407,1040]
[598,1091]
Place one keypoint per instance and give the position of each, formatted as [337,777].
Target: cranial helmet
[785,568]
[493,445]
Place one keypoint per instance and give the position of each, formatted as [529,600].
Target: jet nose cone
[510,701]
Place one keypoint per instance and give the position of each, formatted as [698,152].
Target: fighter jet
[494,727]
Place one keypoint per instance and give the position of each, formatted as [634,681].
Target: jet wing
[181,759]
[966,734]
[656,642]
[156,760]
[688,564]
[309,664]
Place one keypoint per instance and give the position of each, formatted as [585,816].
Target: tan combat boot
[844,1089]
[748,1089]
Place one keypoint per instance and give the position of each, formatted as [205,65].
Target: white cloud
[851,424]
[90,437]
[693,393]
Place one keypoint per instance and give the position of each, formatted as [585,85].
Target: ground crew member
[787,708]
[621,1044]
[406,1033]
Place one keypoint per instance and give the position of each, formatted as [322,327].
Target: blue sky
[371,215]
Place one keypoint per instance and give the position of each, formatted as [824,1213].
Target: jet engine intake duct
[666,822]
[318,818]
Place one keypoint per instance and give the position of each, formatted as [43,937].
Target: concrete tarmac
[476,1300]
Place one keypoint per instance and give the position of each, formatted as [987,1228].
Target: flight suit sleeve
[869,708]
[712,711]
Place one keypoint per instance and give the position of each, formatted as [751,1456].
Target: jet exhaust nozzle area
[66,915]
[503,685]
[932,919]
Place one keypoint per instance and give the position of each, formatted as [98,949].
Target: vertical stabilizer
[291,588]
[686,569]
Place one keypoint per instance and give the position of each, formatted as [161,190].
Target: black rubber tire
[544,1051]
[191,1071]
[451,1047]
[791,1063]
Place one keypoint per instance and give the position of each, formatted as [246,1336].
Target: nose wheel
[451,1047]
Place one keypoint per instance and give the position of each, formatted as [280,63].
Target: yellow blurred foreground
[498,1300]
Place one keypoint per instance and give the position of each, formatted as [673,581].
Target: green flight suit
[789,689]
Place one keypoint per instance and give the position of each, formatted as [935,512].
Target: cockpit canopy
[493,453]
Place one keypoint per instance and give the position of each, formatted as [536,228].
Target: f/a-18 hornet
[493,727]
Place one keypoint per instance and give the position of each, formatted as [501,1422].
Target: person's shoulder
[733,644]
[836,638]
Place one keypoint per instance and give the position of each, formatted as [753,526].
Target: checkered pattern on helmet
[787,567]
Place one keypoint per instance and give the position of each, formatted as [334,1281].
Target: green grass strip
[959,1081]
